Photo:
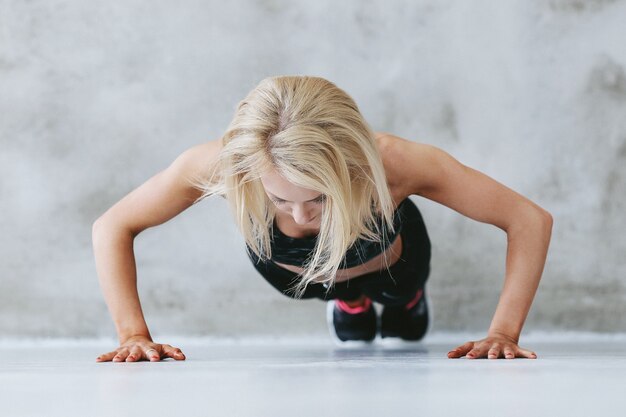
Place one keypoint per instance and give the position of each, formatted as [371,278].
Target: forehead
[278,186]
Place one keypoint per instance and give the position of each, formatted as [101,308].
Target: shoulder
[434,174]
[202,155]
[411,166]
[198,163]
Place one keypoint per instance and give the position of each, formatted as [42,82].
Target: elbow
[547,219]
[537,220]
[97,228]
[546,222]
[105,226]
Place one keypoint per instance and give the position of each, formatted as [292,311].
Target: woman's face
[302,204]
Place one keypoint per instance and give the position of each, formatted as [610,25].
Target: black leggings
[394,286]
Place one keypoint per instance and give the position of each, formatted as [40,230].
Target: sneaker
[409,322]
[351,326]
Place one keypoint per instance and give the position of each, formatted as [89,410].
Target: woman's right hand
[138,348]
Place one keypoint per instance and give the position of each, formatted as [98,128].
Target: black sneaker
[351,328]
[406,323]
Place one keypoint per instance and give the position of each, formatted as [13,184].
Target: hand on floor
[141,348]
[492,347]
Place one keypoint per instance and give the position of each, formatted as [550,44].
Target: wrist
[126,338]
[513,337]
[132,328]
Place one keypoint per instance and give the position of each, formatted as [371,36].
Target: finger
[122,353]
[477,352]
[461,350]
[135,354]
[152,354]
[526,353]
[509,353]
[106,356]
[173,352]
[494,352]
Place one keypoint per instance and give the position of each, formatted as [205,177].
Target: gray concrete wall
[96,97]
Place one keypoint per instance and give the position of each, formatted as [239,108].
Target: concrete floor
[574,376]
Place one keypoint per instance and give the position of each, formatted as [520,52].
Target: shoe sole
[399,342]
[330,307]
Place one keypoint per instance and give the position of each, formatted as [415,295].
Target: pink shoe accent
[414,301]
[354,310]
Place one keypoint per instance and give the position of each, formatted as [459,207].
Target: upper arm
[434,174]
[166,194]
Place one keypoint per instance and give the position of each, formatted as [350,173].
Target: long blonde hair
[312,133]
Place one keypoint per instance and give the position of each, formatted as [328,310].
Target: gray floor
[574,376]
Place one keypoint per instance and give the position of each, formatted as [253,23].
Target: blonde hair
[312,133]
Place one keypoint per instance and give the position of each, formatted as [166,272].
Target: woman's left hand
[492,347]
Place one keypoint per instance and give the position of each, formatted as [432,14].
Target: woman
[322,202]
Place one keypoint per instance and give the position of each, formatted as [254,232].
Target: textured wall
[96,97]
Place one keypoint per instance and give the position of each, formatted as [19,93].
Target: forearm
[117,274]
[527,249]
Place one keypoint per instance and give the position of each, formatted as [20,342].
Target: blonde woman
[323,204]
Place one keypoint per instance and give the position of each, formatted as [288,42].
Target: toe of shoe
[396,322]
[345,327]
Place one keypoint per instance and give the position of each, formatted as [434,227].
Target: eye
[318,200]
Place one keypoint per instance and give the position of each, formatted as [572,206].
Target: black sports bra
[295,251]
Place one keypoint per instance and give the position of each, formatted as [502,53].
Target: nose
[300,215]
